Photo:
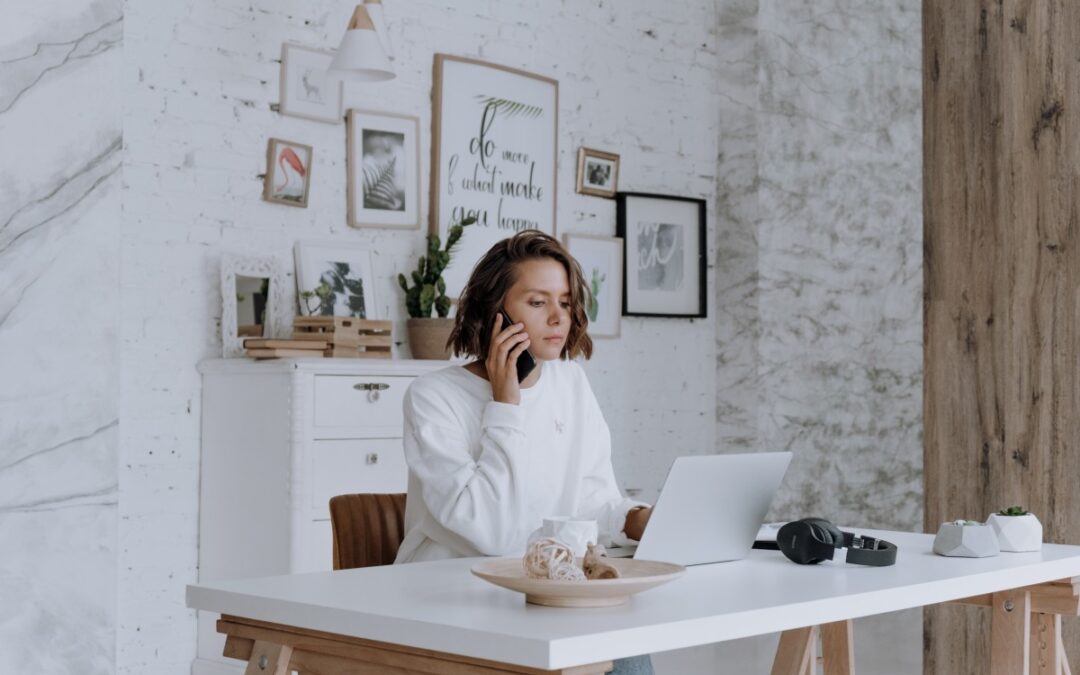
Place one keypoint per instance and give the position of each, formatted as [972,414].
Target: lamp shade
[362,57]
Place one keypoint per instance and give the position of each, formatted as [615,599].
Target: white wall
[59,303]
[635,78]
[798,122]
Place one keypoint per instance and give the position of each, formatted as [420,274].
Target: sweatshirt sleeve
[601,499]
[481,500]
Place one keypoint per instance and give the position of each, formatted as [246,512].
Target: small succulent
[1013,511]
[966,523]
[429,289]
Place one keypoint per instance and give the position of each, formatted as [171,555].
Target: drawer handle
[373,458]
[371,386]
[372,389]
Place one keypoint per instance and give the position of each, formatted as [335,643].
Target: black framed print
[663,254]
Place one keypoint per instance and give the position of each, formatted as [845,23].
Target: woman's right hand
[506,346]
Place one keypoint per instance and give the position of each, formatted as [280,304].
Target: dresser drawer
[351,466]
[359,406]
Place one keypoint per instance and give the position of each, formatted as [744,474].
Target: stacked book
[264,348]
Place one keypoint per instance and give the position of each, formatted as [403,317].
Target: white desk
[442,608]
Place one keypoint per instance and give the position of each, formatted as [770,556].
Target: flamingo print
[288,155]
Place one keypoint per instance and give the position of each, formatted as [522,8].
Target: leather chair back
[368,529]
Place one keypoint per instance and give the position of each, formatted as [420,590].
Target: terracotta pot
[427,337]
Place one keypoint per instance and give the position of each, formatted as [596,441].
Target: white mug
[577,534]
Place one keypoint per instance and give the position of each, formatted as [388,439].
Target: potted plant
[1017,530]
[427,335]
[966,539]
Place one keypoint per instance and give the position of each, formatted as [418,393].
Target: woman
[490,457]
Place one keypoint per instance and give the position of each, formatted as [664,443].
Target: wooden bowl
[637,576]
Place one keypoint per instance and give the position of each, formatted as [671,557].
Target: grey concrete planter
[966,541]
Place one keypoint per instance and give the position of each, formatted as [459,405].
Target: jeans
[635,665]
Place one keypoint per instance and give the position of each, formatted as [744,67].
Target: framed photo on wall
[597,173]
[664,245]
[288,173]
[339,276]
[382,156]
[494,153]
[601,260]
[306,91]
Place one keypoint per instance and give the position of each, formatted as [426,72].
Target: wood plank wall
[1001,116]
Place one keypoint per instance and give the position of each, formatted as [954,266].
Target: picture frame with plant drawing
[601,261]
[335,279]
[382,160]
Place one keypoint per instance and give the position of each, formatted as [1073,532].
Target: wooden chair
[368,529]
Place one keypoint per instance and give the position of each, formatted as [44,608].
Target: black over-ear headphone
[811,540]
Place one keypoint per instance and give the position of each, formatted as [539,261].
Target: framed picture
[306,91]
[664,244]
[288,173]
[382,156]
[597,173]
[252,301]
[337,279]
[601,260]
[494,155]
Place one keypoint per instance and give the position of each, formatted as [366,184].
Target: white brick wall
[636,78]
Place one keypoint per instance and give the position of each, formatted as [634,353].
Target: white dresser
[279,439]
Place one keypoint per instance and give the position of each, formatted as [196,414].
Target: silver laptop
[711,507]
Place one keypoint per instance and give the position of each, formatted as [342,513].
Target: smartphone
[525,363]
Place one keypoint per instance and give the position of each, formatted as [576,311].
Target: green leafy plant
[1013,511]
[429,289]
[325,296]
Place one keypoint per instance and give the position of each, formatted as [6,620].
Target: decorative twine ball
[566,571]
[544,556]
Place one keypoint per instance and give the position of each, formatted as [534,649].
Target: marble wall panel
[60,134]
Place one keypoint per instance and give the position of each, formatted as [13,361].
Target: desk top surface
[441,606]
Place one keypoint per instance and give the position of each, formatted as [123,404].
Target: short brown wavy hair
[492,278]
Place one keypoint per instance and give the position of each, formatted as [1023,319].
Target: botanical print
[596,283]
[660,256]
[384,170]
[341,293]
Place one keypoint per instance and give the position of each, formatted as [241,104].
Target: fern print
[380,192]
[510,108]
[384,184]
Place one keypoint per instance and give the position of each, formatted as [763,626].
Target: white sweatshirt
[483,475]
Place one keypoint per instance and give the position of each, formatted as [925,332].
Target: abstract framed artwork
[339,278]
[288,173]
[306,90]
[601,261]
[383,167]
[597,173]
[494,156]
[664,254]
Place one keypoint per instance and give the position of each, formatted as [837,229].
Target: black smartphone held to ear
[525,363]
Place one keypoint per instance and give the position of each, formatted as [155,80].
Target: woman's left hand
[636,520]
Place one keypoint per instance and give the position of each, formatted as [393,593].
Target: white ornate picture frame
[278,316]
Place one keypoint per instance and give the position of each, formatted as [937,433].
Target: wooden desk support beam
[796,653]
[274,649]
[1027,638]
